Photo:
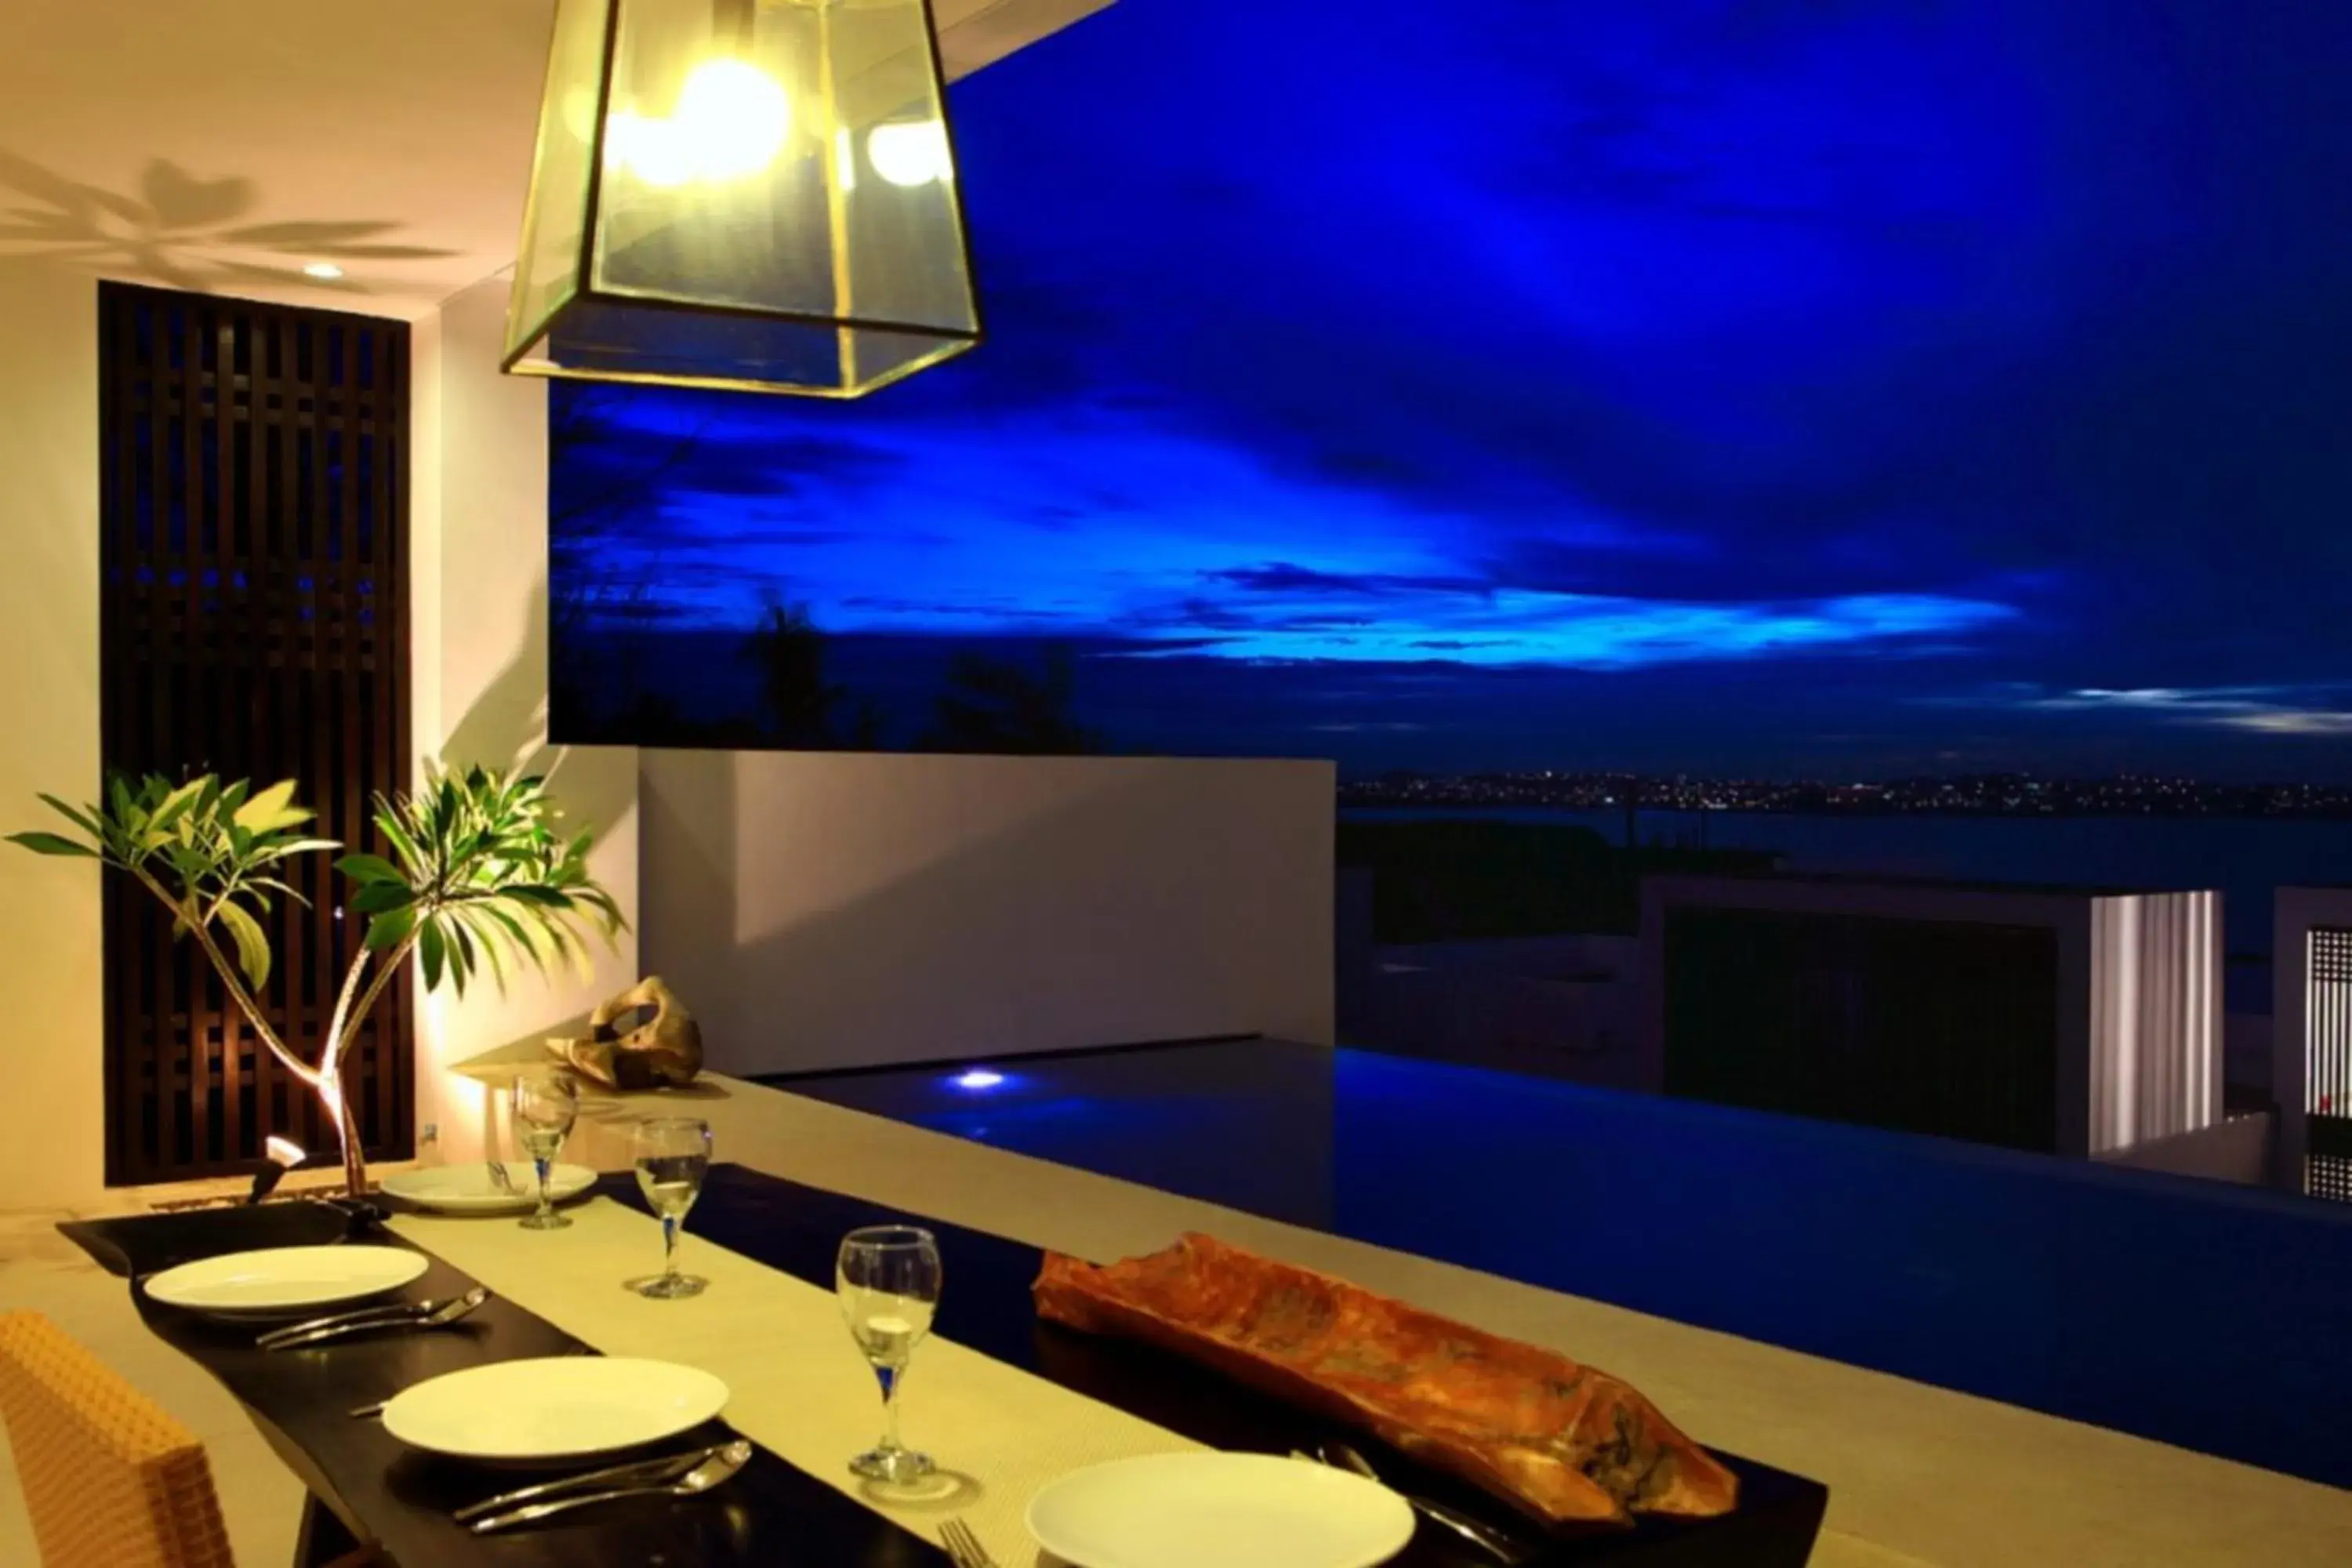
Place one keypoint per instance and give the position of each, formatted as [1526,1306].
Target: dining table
[1019,1398]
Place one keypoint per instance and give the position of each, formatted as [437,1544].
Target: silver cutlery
[366,1412]
[963,1546]
[711,1472]
[501,1178]
[423,1315]
[1340,1456]
[358,1315]
[659,1471]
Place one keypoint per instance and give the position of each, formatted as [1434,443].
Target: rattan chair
[110,1479]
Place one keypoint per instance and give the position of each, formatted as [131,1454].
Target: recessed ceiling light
[325,270]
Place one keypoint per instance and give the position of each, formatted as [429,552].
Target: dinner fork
[501,1178]
[963,1546]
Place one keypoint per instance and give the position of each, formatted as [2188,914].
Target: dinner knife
[446,1312]
[642,1472]
[716,1470]
[336,1320]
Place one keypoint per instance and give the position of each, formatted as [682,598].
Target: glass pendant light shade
[748,193]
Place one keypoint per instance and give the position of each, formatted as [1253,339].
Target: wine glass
[889,1281]
[546,1102]
[672,1154]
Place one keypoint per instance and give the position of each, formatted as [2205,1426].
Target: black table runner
[389,1495]
[773,1513]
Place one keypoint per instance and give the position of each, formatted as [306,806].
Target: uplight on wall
[751,194]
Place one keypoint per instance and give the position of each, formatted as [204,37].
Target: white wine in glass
[889,1281]
[673,1154]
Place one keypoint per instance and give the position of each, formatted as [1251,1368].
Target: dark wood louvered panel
[253,623]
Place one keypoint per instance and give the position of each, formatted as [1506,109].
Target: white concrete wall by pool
[823,910]
[49,922]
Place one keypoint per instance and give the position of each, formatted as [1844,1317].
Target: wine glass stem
[891,1376]
[545,1209]
[669,1246]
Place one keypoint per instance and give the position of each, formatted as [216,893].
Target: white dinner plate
[278,1280]
[469,1189]
[553,1409]
[1232,1511]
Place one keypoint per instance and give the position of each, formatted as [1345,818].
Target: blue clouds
[1774,374]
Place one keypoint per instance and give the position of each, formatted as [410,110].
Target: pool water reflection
[2213,1317]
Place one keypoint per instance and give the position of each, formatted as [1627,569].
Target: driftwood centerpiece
[1562,1441]
[663,1051]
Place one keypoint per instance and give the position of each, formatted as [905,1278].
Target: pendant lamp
[758,194]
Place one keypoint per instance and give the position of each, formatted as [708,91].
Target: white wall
[884,908]
[827,911]
[479,620]
[50,930]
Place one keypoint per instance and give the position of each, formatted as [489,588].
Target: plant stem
[188,915]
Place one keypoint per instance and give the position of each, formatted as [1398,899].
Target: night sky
[1777,387]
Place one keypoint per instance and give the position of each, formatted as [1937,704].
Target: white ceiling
[224,144]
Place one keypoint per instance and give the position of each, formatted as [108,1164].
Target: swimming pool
[2213,1317]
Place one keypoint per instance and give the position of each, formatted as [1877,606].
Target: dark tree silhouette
[797,704]
[1002,706]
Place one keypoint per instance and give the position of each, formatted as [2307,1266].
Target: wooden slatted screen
[252,623]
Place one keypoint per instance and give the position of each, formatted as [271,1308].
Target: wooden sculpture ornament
[663,1051]
[1562,1441]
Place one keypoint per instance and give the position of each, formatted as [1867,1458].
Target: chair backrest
[110,1479]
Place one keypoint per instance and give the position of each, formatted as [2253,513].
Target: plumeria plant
[478,876]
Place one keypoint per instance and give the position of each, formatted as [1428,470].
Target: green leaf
[386,931]
[532,893]
[489,945]
[388,823]
[178,804]
[365,868]
[87,823]
[378,897]
[52,844]
[429,954]
[273,882]
[461,955]
[272,808]
[252,946]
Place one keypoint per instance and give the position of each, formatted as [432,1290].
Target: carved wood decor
[253,622]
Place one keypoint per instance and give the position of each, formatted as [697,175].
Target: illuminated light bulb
[650,148]
[326,272]
[733,119]
[909,153]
